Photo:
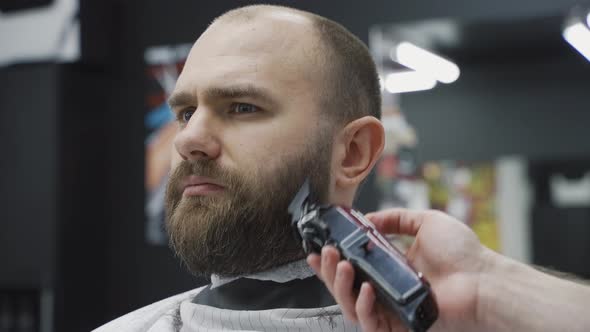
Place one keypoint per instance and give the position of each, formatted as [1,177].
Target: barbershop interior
[485,107]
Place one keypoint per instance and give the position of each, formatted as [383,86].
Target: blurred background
[486,108]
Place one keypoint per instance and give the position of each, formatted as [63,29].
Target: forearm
[515,297]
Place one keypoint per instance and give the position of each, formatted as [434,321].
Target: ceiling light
[426,62]
[408,81]
[578,35]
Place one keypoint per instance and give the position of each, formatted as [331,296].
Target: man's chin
[213,201]
[208,246]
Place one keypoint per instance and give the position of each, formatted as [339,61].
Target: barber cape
[288,298]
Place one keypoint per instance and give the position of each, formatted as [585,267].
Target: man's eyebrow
[180,99]
[239,91]
[224,92]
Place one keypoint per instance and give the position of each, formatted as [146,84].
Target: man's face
[249,134]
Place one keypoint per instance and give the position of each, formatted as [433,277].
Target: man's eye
[185,115]
[243,108]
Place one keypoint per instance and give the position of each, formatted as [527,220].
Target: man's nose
[199,138]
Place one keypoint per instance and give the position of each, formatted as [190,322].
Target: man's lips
[199,186]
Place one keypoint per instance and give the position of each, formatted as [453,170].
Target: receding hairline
[316,51]
[332,44]
[309,21]
[248,13]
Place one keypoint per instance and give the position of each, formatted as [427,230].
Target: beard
[246,227]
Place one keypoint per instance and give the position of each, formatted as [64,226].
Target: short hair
[352,82]
[351,87]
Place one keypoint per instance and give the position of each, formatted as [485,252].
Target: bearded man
[268,97]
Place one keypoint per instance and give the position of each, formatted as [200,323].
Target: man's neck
[284,273]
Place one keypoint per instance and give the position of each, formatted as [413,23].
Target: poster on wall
[163,66]
[466,191]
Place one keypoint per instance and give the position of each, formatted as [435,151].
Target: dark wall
[559,234]
[83,223]
[537,108]
[53,235]
[28,175]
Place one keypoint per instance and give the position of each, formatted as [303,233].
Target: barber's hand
[445,250]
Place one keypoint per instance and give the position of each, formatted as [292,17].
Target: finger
[373,316]
[365,308]
[343,289]
[399,221]
[315,262]
[389,319]
[330,258]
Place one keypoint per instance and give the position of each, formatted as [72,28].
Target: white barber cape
[288,298]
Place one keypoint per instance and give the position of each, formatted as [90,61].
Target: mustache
[205,168]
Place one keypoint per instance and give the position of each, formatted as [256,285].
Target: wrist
[494,273]
[513,296]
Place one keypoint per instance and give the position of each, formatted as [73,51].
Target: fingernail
[324,256]
[365,287]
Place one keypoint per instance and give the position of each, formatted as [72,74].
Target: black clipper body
[374,259]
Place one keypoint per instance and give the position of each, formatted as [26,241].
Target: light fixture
[425,62]
[577,30]
[408,81]
[578,35]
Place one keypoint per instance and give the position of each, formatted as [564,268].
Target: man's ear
[358,147]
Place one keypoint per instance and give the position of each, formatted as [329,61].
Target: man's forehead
[262,50]
[203,72]
[279,32]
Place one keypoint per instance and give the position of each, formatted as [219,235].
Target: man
[268,97]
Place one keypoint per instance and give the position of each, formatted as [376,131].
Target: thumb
[397,221]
